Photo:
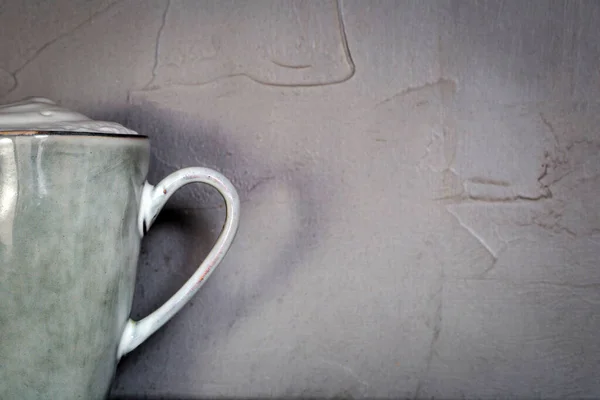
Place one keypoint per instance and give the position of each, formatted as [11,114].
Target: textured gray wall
[419,184]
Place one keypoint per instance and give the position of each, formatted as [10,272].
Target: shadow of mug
[185,232]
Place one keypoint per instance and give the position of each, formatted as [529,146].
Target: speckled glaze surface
[69,245]
[73,209]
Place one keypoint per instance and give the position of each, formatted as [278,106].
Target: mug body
[69,246]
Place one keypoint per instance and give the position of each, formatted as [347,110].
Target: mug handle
[152,201]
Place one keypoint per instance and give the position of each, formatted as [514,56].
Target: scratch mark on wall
[550,224]
[451,84]
[347,370]
[550,127]
[39,51]
[552,162]
[427,152]
[157,45]
[464,198]
[488,181]
[532,282]
[546,194]
[490,267]
[345,45]
[283,65]
[437,329]
[7,76]
[581,141]
[473,232]
[260,182]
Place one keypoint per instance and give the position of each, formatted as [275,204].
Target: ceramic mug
[74,207]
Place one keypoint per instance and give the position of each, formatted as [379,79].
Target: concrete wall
[419,181]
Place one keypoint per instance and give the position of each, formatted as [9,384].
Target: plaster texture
[419,185]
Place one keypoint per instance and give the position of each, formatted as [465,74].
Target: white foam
[41,114]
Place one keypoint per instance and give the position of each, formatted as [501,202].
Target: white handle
[152,201]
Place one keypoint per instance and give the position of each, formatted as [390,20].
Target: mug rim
[34,133]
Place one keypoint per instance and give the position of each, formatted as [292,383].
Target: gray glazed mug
[73,210]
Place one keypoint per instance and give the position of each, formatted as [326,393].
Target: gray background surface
[419,181]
